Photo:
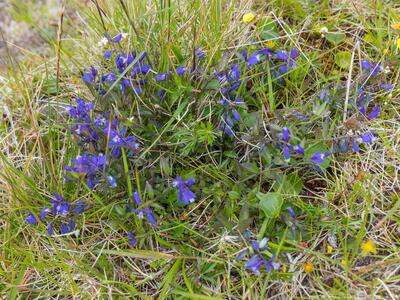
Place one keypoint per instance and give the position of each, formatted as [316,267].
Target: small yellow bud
[396,25]
[270,44]
[329,249]
[368,247]
[249,17]
[398,43]
[308,267]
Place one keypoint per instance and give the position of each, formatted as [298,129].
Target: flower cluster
[62,212]
[256,261]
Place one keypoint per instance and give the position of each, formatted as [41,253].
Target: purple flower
[299,149]
[355,147]
[149,214]
[199,52]
[368,137]
[111,181]
[254,264]
[180,70]
[236,114]
[115,39]
[185,195]
[60,206]
[282,55]
[234,74]
[366,64]
[80,206]
[107,54]
[375,69]
[376,111]
[260,246]
[49,229]
[137,199]
[67,228]
[109,78]
[44,213]
[272,265]
[386,86]
[319,157]
[160,77]
[242,254]
[283,69]
[285,134]
[294,53]
[291,212]
[31,219]
[286,152]
[131,239]
[254,59]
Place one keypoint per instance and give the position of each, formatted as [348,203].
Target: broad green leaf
[336,37]
[343,59]
[270,203]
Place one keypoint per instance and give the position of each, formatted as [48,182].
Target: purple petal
[31,219]
[376,111]
[366,64]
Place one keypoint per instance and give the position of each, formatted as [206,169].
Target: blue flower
[180,70]
[285,134]
[115,39]
[44,213]
[286,152]
[137,199]
[368,137]
[107,54]
[260,246]
[233,74]
[89,77]
[60,206]
[111,181]
[131,239]
[242,254]
[376,111]
[272,265]
[109,78]
[49,229]
[160,77]
[31,219]
[319,157]
[366,64]
[254,59]
[149,214]
[386,86]
[299,149]
[254,264]
[185,195]
[355,147]
[291,212]
[67,228]
[199,52]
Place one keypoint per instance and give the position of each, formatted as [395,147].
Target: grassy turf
[191,254]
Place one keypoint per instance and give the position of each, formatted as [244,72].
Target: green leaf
[213,85]
[270,203]
[336,37]
[343,59]
[290,184]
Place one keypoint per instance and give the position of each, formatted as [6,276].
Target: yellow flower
[249,17]
[329,249]
[308,267]
[368,247]
[398,43]
[396,25]
[270,44]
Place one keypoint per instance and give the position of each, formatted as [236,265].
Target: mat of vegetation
[214,149]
